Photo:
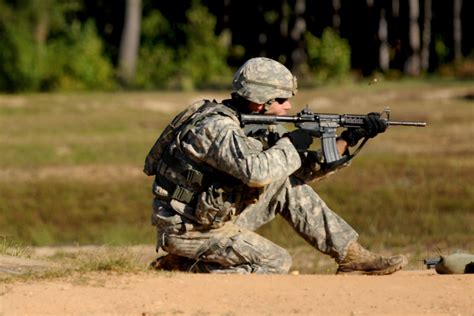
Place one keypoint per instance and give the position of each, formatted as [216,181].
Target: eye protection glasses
[281,100]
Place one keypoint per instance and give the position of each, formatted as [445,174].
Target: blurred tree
[25,27]
[329,57]
[336,18]
[457,30]
[359,25]
[130,41]
[297,31]
[77,56]
[44,46]
[395,8]
[384,57]
[426,38]
[18,52]
[181,49]
[196,41]
[412,66]
[203,57]
[157,61]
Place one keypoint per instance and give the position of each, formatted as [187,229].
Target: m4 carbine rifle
[324,126]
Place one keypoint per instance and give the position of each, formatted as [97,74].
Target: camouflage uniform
[220,142]
[250,184]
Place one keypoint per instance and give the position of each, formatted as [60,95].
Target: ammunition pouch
[198,187]
[166,190]
[216,205]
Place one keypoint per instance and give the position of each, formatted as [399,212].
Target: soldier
[217,182]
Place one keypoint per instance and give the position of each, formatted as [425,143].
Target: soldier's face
[279,107]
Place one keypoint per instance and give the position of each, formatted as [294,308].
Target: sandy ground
[415,292]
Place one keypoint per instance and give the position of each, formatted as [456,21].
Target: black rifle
[324,126]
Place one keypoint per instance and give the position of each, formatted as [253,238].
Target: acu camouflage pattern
[156,152]
[269,175]
[262,79]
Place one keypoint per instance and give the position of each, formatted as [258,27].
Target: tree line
[144,44]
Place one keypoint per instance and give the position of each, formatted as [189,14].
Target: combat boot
[171,262]
[359,260]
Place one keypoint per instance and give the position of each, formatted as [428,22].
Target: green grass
[43,212]
[12,247]
[70,167]
[76,264]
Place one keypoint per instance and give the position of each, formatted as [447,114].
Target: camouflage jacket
[233,163]
[217,139]
[214,137]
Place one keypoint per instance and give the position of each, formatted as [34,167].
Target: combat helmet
[262,79]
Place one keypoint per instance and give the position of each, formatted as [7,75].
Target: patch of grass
[411,187]
[81,262]
[11,247]
[44,212]
[116,259]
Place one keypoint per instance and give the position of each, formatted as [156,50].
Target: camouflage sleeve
[220,142]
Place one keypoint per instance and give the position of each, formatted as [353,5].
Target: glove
[300,139]
[373,125]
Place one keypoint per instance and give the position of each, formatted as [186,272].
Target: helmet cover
[262,79]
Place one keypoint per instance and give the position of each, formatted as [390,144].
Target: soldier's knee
[279,262]
[285,263]
[262,255]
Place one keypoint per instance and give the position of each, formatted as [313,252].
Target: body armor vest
[212,193]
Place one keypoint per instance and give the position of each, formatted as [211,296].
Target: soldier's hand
[373,126]
[300,139]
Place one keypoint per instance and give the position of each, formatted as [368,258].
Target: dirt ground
[411,292]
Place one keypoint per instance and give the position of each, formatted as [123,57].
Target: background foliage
[74,44]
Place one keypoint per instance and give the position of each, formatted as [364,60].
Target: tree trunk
[457,32]
[42,27]
[284,10]
[395,8]
[298,56]
[412,66]
[336,18]
[130,41]
[42,16]
[384,56]
[425,50]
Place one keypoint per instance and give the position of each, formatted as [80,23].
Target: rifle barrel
[404,123]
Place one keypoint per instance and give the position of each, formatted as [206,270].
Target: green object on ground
[458,263]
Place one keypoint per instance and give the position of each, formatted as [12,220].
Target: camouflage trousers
[236,248]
